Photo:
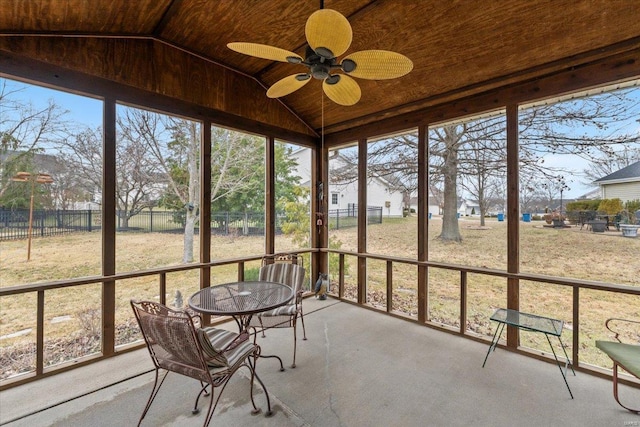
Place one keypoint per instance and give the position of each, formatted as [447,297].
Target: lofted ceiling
[459,48]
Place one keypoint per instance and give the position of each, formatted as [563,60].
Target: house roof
[629,173]
[177,50]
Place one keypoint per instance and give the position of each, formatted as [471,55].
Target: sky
[87,111]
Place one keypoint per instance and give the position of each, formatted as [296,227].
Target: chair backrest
[171,339]
[288,274]
[283,258]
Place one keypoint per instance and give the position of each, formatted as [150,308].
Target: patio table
[241,300]
[533,323]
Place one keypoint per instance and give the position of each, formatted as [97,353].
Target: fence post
[226,224]
[89,220]
[150,220]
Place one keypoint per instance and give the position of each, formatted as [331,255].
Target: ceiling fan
[329,35]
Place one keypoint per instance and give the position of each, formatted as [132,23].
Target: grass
[566,252]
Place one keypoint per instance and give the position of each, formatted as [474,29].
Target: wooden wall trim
[30,70]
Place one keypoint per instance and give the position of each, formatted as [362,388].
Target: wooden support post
[423,223]
[362,220]
[270,197]
[205,203]
[513,219]
[109,227]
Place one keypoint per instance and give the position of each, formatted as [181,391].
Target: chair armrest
[614,324]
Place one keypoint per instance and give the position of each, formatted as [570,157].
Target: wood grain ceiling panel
[82,16]
[207,27]
[459,47]
[460,44]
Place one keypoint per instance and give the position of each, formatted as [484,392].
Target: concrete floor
[358,368]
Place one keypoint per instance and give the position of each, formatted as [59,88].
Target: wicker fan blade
[379,64]
[345,92]
[264,51]
[330,30]
[287,85]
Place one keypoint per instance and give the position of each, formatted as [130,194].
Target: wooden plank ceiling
[459,48]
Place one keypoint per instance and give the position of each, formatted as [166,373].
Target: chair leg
[304,331]
[295,340]
[154,393]
[254,374]
[204,391]
[261,327]
[615,390]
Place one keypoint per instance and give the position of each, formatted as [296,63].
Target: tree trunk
[193,203]
[189,226]
[450,229]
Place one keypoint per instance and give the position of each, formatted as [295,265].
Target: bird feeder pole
[40,178]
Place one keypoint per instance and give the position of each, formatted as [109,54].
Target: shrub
[632,205]
[610,206]
[583,205]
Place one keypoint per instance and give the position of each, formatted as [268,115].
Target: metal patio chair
[176,343]
[287,269]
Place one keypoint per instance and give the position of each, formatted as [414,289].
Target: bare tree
[136,171]
[173,145]
[587,127]
[24,129]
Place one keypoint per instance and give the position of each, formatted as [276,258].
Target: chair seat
[285,310]
[214,341]
[626,355]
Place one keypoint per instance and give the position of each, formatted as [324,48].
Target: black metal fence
[14,223]
[345,218]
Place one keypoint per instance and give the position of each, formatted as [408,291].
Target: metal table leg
[560,366]
[494,341]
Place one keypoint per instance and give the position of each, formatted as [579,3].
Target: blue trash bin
[429,215]
[458,214]
[526,217]
[500,217]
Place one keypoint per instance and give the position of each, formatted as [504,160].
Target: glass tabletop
[528,321]
[240,298]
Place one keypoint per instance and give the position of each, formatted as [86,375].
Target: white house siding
[346,195]
[380,195]
[303,157]
[624,191]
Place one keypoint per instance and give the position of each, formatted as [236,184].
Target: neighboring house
[468,208]
[623,184]
[433,208]
[344,195]
[302,156]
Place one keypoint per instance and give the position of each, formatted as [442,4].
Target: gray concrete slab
[358,368]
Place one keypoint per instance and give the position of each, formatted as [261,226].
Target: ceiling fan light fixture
[319,71]
[294,59]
